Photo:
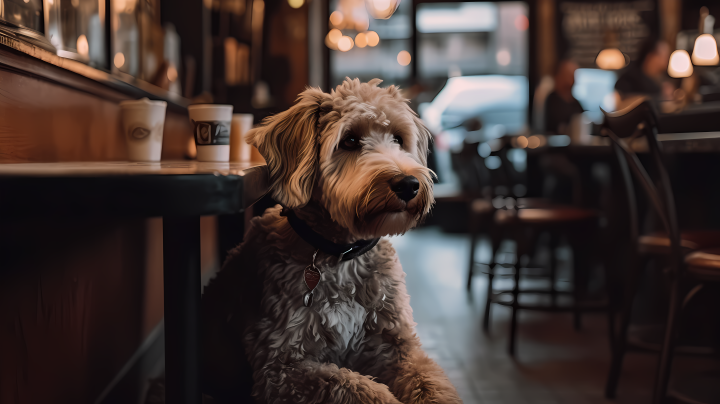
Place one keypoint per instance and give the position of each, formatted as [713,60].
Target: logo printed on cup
[211,132]
[140,132]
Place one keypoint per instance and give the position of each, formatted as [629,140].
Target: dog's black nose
[406,187]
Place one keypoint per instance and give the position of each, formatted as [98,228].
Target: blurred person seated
[560,105]
[647,76]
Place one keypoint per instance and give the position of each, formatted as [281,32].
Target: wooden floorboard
[555,364]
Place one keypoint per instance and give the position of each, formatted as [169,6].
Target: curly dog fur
[356,342]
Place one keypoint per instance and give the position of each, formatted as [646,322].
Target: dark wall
[192,22]
[691,13]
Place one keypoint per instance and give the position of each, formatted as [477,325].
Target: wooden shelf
[28,59]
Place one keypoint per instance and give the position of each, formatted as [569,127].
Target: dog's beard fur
[352,186]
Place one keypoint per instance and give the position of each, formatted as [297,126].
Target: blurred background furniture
[688,268]
[524,224]
[524,221]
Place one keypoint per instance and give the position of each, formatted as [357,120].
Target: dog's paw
[427,390]
[362,390]
[426,394]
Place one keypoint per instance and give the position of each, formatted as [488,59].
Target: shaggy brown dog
[352,165]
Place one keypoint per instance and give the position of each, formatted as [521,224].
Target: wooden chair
[638,120]
[524,223]
[523,220]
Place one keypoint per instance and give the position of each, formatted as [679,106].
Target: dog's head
[360,152]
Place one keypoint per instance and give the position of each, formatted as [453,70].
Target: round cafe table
[179,192]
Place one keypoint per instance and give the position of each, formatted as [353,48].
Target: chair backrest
[638,120]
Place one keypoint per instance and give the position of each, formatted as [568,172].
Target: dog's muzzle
[405,187]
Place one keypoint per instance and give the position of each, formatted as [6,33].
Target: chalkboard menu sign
[585,26]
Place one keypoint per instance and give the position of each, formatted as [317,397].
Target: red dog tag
[312,277]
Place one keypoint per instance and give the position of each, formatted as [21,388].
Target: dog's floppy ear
[289,143]
[424,139]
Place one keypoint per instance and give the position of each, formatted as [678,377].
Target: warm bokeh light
[334,35]
[680,65]
[503,57]
[533,142]
[521,23]
[345,44]
[82,45]
[381,9]
[296,3]
[332,38]
[330,44]
[119,60]
[336,18]
[522,142]
[361,40]
[172,73]
[610,59]
[705,51]
[404,58]
[372,38]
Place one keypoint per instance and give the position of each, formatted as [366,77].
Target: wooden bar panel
[42,121]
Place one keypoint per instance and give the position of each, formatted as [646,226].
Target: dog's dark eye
[350,142]
[397,139]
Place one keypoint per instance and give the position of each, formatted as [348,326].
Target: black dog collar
[344,252]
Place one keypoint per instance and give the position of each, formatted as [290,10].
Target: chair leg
[578,267]
[515,309]
[488,298]
[471,264]
[521,250]
[581,265]
[618,356]
[668,348]
[554,241]
[619,340]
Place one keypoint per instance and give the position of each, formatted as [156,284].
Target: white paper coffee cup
[142,125]
[211,130]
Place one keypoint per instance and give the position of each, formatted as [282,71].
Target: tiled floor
[554,364]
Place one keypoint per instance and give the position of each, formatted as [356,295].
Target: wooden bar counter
[179,192]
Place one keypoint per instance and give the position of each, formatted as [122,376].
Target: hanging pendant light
[679,65]
[611,58]
[705,52]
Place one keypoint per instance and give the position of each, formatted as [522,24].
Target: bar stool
[704,267]
[524,223]
[639,120]
[523,220]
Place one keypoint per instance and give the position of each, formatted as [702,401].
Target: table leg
[181,272]
[230,233]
